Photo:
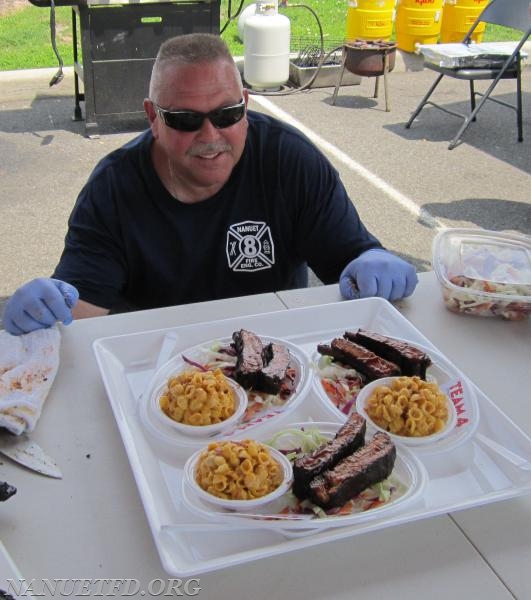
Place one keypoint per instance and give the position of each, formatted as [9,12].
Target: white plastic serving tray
[488,467]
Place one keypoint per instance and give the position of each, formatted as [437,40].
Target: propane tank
[266,41]
[247,12]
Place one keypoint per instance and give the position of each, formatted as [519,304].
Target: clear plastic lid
[500,261]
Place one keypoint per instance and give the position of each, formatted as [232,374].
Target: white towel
[28,366]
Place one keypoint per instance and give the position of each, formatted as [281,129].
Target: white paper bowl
[426,440]
[239,505]
[203,431]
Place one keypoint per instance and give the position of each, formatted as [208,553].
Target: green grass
[25,38]
[25,34]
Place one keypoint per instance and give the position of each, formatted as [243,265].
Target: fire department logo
[250,247]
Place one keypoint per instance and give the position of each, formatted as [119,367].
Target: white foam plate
[200,353]
[453,383]
[408,474]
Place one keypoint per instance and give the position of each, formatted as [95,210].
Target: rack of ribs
[368,465]
[363,360]
[411,360]
[349,438]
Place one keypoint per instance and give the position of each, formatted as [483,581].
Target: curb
[30,74]
[404,62]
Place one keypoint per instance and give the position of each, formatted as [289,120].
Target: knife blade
[28,453]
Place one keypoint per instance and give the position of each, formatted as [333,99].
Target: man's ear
[150,111]
[151,114]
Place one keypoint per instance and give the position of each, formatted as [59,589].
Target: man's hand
[39,304]
[378,273]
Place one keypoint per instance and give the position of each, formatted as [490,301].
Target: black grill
[115,44]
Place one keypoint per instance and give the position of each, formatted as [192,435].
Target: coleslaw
[340,382]
[487,302]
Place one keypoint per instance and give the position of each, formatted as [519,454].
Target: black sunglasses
[191,120]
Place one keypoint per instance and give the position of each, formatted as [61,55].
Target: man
[213,201]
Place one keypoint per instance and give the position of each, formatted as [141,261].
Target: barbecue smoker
[115,43]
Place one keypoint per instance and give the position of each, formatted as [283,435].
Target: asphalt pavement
[405,183]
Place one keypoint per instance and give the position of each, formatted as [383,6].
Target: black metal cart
[115,43]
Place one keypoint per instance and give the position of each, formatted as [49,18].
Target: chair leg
[519,106]
[472,97]
[424,100]
[472,116]
[376,86]
[464,126]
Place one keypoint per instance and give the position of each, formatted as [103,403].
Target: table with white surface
[91,524]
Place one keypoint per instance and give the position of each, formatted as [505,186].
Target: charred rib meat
[349,438]
[258,367]
[370,464]
[249,361]
[411,360]
[363,360]
[276,360]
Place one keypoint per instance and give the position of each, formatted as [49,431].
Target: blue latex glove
[378,273]
[39,304]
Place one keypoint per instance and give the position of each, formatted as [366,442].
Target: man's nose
[208,131]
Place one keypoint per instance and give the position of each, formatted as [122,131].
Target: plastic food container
[484,273]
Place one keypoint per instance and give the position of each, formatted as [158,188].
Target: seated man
[213,201]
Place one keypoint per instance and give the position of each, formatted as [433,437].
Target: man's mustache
[213,148]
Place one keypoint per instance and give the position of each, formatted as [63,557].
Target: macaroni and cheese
[198,398]
[410,407]
[238,470]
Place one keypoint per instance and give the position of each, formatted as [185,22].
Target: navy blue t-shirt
[130,244]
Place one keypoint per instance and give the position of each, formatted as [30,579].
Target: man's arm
[84,310]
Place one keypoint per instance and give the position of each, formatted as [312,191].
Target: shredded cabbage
[300,440]
[384,490]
